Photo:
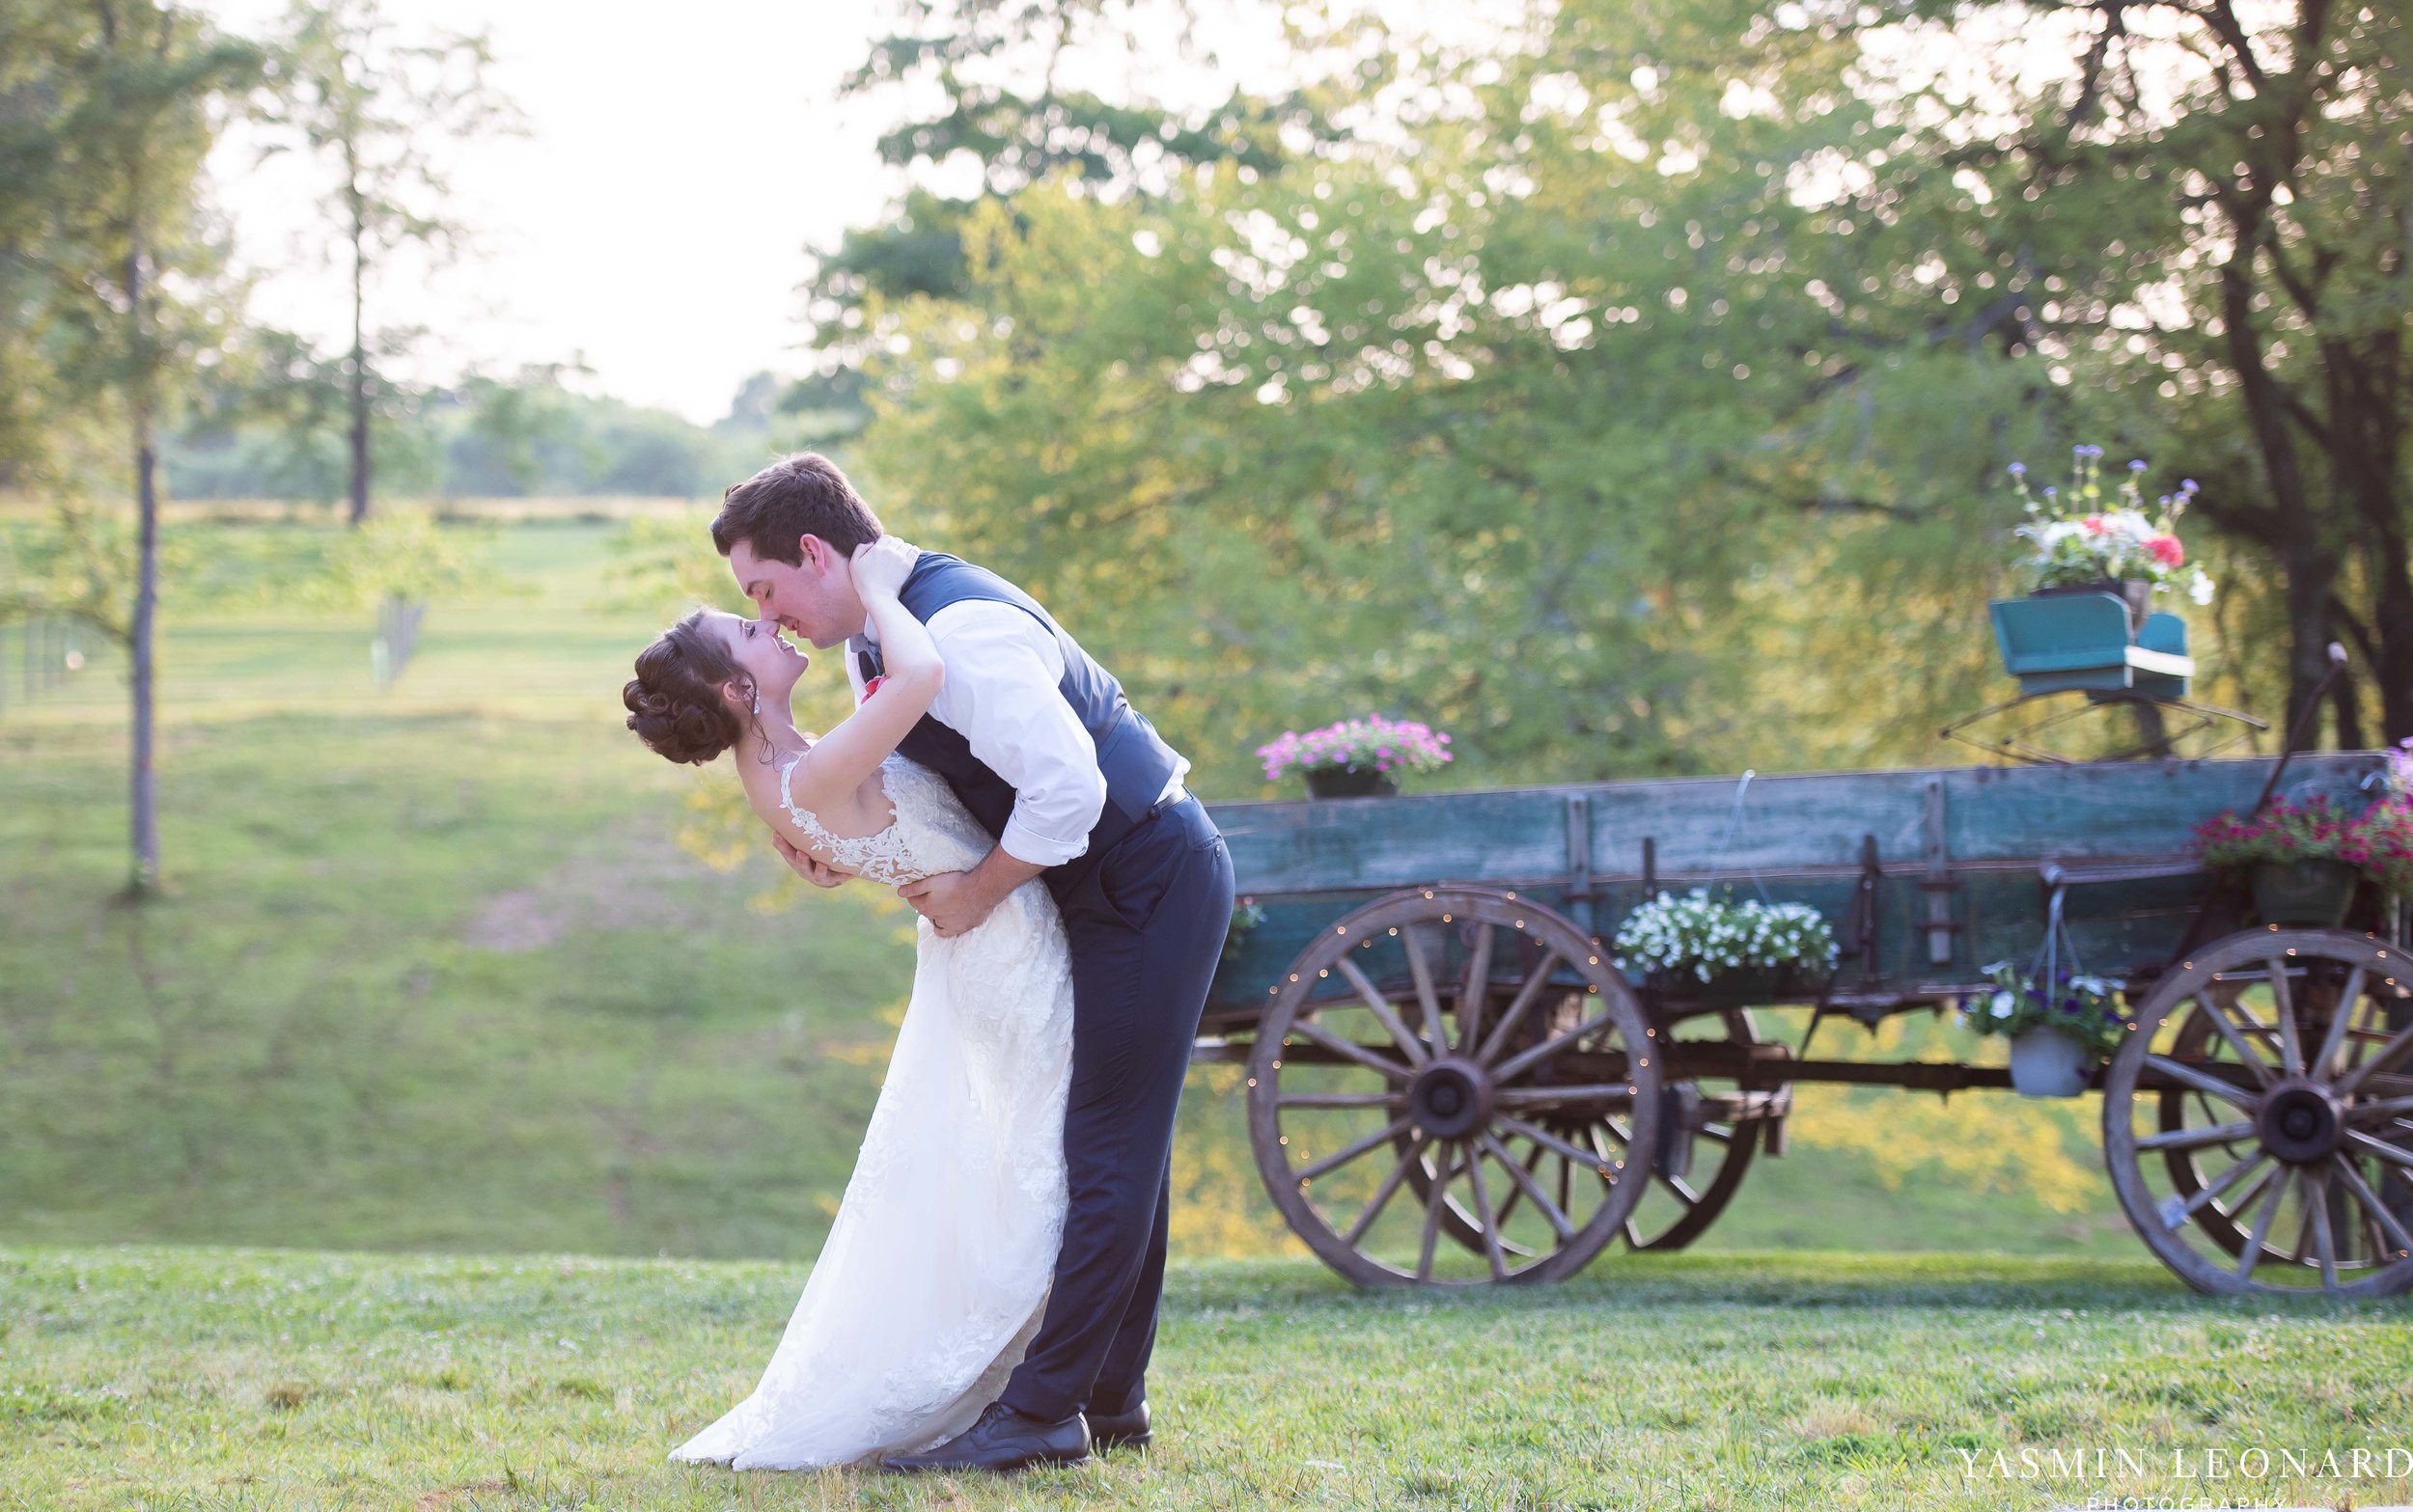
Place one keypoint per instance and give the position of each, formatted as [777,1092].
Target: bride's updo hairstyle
[675,700]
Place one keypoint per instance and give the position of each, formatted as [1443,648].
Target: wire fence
[39,655]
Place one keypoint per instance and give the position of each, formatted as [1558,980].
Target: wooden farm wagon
[1450,1081]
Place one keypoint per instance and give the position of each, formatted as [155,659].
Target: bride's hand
[880,566]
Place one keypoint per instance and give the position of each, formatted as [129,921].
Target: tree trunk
[2365,443]
[360,363]
[144,795]
[2311,565]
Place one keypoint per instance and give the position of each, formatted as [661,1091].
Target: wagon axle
[2300,1121]
[1451,1098]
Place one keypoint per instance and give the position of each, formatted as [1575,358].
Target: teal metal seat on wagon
[2081,640]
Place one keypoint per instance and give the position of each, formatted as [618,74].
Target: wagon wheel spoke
[1341,1157]
[1475,986]
[1527,994]
[1517,1064]
[1350,1050]
[2175,1217]
[1380,1007]
[1485,1215]
[1677,1185]
[2282,996]
[2386,1109]
[2341,1018]
[2303,1225]
[2196,1139]
[2317,1190]
[1532,1158]
[2236,1005]
[2377,1215]
[1529,1097]
[1341,1100]
[2382,1226]
[1526,1186]
[2219,1020]
[1548,1140]
[2211,1115]
[1427,1000]
[2200,1081]
[2253,1252]
[1384,1192]
[1434,1200]
[2402,1160]
[1567,1183]
[2383,1060]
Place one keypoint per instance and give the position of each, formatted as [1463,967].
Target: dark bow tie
[867,661]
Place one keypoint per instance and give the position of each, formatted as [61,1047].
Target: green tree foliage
[999,84]
[272,425]
[1631,395]
[2207,220]
[378,112]
[113,271]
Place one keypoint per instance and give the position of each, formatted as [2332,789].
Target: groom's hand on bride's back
[802,864]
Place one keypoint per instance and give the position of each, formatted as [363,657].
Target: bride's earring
[758,702]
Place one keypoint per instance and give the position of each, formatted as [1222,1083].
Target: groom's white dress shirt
[1004,694]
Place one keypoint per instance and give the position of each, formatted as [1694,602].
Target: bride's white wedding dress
[937,1268]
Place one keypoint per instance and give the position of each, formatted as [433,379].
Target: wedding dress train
[936,1270]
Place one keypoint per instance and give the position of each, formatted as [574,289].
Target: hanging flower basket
[1715,952]
[2047,1062]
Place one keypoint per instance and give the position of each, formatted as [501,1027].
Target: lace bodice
[928,830]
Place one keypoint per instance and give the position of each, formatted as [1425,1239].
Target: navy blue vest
[1134,759]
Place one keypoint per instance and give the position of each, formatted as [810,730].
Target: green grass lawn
[154,1378]
[436,977]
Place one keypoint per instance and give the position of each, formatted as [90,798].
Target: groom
[1039,742]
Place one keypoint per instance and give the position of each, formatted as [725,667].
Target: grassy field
[437,973]
[199,1378]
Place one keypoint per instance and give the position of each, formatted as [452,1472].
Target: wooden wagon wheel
[2303,1130]
[1710,1145]
[1384,1054]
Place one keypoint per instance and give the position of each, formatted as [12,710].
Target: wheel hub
[2299,1121]
[1451,1098]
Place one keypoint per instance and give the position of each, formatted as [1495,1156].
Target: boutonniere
[873,686]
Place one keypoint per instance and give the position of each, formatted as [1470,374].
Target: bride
[936,1271]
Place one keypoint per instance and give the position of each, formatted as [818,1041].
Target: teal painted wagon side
[1982,832]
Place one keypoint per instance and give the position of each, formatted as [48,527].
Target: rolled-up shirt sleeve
[1004,694]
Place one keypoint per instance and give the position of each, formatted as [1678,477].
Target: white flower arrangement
[1704,936]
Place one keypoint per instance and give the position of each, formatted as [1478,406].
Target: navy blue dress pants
[1146,928]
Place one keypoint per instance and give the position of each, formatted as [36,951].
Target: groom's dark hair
[801,495]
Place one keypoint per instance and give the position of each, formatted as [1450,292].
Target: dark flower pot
[2317,893]
[1736,987]
[2136,593]
[1350,781]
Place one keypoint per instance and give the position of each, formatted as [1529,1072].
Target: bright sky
[653,222]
